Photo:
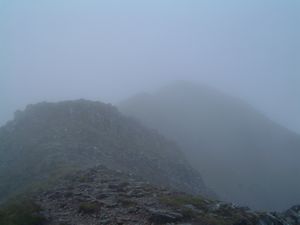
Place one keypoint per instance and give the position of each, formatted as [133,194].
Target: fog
[110,50]
[204,99]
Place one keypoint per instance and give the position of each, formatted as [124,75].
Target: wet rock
[104,222]
[89,207]
[102,196]
[159,216]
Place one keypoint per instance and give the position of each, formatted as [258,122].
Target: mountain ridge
[49,139]
[242,155]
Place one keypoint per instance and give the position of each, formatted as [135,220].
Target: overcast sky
[108,50]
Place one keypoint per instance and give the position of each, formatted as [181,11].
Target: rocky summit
[48,140]
[100,196]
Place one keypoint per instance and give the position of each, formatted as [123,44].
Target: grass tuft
[23,212]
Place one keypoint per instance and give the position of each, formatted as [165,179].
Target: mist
[110,50]
[149,112]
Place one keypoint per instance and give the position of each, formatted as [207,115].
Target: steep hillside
[244,156]
[99,196]
[47,140]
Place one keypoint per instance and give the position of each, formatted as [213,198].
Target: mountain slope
[244,156]
[47,140]
[100,196]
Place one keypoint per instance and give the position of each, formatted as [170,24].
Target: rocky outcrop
[100,196]
[47,140]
